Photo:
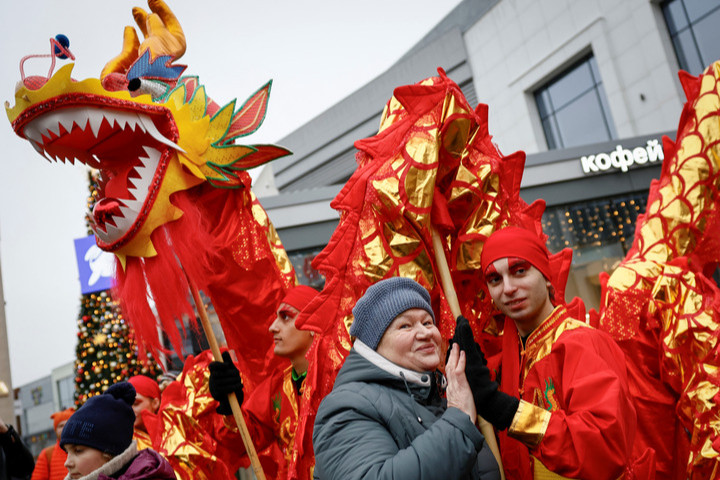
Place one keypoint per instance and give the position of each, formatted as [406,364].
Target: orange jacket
[50,464]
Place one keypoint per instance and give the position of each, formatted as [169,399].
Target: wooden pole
[234,404]
[451,296]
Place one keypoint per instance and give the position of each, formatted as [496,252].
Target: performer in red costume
[563,395]
[147,399]
[271,409]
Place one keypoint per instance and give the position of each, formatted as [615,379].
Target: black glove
[225,379]
[496,407]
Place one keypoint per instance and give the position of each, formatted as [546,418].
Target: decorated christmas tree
[106,350]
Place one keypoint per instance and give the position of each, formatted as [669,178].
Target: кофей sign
[622,158]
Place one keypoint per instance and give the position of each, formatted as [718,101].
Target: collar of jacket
[115,464]
[418,378]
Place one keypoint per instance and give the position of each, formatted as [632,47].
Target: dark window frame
[548,112]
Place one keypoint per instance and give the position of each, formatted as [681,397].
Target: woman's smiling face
[412,341]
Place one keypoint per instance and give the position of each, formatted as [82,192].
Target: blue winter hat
[384,301]
[104,422]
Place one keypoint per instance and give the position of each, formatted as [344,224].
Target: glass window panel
[693,28]
[606,111]
[573,84]
[707,35]
[66,388]
[697,9]
[675,16]
[543,103]
[551,134]
[573,108]
[582,121]
[688,56]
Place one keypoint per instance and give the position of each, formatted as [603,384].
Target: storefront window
[600,233]
[693,27]
[66,390]
[573,108]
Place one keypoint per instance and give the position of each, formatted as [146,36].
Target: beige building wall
[6,394]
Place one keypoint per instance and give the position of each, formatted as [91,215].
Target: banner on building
[95,266]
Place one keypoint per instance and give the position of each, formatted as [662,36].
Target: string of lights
[591,224]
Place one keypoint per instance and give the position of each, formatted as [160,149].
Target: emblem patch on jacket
[546,399]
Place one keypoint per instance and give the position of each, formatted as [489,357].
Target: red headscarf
[61,416]
[299,297]
[145,386]
[516,242]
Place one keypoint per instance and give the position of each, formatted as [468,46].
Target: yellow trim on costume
[541,472]
[541,340]
[529,424]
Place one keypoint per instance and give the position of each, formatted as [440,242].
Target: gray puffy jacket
[384,421]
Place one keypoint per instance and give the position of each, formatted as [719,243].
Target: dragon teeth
[33,135]
[92,118]
[152,130]
[67,123]
[95,119]
[145,170]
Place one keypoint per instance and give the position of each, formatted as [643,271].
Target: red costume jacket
[576,417]
[271,414]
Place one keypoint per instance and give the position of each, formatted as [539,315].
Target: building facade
[41,398]
[7,402]
[586,88]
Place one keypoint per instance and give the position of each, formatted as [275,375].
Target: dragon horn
[162,31]
[127,56]
[140,17]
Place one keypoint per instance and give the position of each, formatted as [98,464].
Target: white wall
[520,44]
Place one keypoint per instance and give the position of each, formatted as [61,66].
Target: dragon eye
[143,86]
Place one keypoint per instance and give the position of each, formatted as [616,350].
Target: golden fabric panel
[529,424]
[540,472]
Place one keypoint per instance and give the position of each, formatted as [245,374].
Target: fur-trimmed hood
[131,465]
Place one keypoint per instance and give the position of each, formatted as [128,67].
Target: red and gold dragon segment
[661,304]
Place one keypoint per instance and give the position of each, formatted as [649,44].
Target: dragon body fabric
[661,303]
[174,203]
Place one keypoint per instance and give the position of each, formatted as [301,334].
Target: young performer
[563,395]
[271,411]
[147,399]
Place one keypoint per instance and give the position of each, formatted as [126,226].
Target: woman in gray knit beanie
[386,417]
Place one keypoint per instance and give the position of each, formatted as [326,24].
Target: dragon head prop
[149,131]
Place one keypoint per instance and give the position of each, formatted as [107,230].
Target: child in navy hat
[98,439]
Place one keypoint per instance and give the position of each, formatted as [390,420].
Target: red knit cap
[300,296]
[61,416]
[145,386]
[516,242]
